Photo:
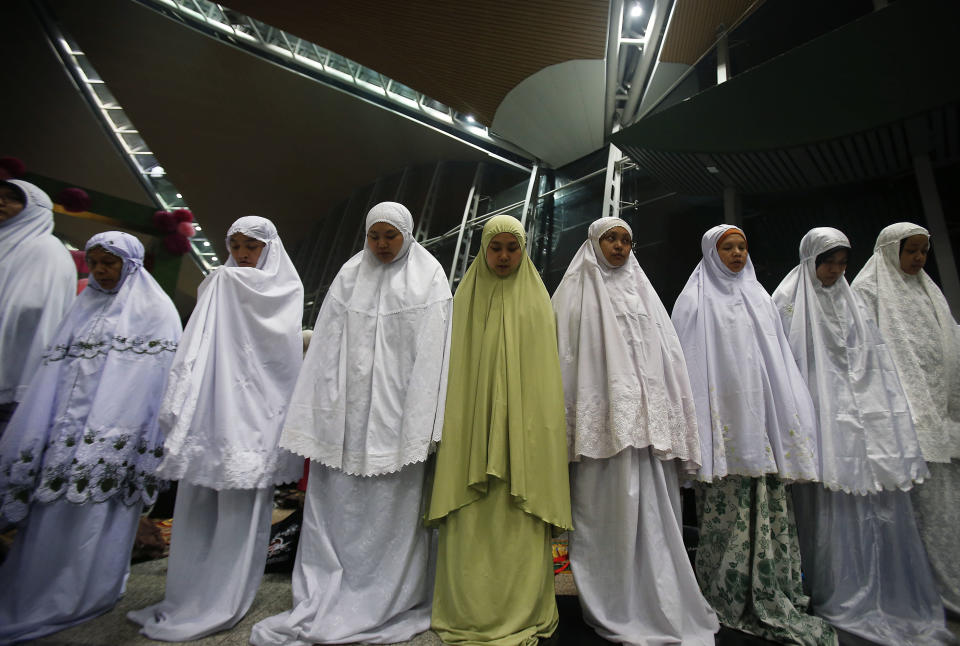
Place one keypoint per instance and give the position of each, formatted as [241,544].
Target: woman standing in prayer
[501,484]
[630,421]
[862,555]
[222,413]
[757,431]
[38,281]
[367,409]
[79,456]
[924,341]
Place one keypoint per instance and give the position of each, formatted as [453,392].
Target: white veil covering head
[231,380]
[754,412]
[867,440]
[397,216]
[38,282]
[624,377]
[87,427]
[370,398]
[124,246]
[924,339]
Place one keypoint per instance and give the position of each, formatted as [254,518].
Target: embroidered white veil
[234,373]
[754,412]
[867,440]
[624,376]
[87,427]
[38,282]
[370,398]
[916,323]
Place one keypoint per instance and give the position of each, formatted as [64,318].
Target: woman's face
[616,246]
[504,254]
[385,241]
[10,203]
[733,252]
[831,269]
[105,267]
[913,256]
[246,250]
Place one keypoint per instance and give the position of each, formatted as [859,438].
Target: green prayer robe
[500,489]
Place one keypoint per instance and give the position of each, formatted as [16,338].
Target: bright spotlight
[636,10]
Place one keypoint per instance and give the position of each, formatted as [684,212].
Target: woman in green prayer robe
[500,489]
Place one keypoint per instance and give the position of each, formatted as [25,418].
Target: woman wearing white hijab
[924,340]
[630,421]
[862,556]
[757,431]
[367,409]
[222,413]
[38,281]
[79,455]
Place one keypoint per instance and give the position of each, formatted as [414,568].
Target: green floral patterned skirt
[748,561]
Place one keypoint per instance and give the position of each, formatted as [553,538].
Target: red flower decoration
[74,200]
[176,244]
[183,215]
[11,168]
[186,229]
[80,260]
[164,221]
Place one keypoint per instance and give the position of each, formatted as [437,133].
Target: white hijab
[867,440]
[234,373]
[370,397]
[753,409]
[624,378]
[87,427]
[923,338]
[38,282]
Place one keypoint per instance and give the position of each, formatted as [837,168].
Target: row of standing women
[740,392]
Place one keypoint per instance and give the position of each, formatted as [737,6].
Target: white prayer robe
[630,421]
[229,389]
[862,555]
[924,340]
[38,282]
[366,410]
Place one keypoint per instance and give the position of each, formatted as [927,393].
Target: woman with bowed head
[38,281]
[222,414]
[863,559]
[757,433]
[501,487]
[77,461]
[631,424]
[924,341]
[367,409]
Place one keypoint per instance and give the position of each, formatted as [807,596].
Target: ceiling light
[214,259]
[157,171]
[713,170]
[179,197]
[636,10]
[471,119]
[206,243]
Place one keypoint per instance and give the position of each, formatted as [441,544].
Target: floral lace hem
[355,463]
[87,349]
[231,469]
[83,465]
[605,422]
